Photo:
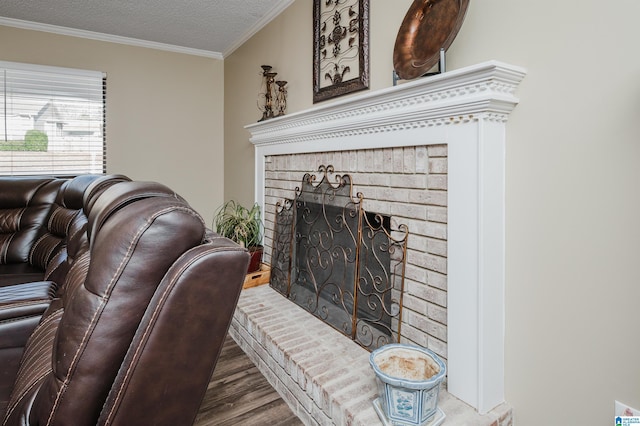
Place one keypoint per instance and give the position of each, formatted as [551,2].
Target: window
[52,120]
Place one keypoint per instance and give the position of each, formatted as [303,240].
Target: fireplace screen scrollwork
[344,265]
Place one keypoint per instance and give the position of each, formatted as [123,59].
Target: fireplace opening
[339,262]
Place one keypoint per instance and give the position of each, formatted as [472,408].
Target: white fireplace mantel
[467,109]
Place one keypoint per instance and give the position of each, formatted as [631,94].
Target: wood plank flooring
[238,394]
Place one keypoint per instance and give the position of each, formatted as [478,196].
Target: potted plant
[242,225]
[409,379]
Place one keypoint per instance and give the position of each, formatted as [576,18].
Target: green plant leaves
[238,223]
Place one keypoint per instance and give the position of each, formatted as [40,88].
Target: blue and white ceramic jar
[409,379]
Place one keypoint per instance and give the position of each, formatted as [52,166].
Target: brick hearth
[323,376]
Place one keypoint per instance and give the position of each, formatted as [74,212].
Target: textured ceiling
[216,26]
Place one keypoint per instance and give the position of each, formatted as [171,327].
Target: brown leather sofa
[137,308]
[39,216]
[36,216]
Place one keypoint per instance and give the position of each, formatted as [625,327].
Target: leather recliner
[135,330]
[47,216]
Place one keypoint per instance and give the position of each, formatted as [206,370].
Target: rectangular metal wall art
[340,47]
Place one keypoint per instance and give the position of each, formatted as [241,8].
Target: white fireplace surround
[467,109]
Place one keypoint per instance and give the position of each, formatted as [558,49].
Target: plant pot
[409,379]
[256,258]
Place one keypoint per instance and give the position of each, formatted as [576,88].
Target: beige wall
[277,45]
[164,110]
[286,44]
[572,232]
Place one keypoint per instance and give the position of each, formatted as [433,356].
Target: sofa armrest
[21,307]
[179,339]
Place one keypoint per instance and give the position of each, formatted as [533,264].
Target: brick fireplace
[408,184]
[429,153]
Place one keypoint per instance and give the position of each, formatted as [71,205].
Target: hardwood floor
[238,394]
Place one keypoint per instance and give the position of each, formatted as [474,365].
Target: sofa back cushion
[66,208]
[25,204]
[66,228]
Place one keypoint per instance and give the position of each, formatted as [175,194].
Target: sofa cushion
[16,273]
[67,209]
[25,204]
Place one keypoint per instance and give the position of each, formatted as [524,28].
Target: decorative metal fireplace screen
[344,265]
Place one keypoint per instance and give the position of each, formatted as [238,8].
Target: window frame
[95,83]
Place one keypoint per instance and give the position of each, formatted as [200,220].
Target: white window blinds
[52,120]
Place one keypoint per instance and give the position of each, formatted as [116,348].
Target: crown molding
[91,35]
[270,16]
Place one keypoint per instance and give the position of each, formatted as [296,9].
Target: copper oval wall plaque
[428,26]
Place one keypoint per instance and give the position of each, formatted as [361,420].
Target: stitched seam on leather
[144,338]
[3,254]
[54,213]
[47,259]
[36,381]
[70,237]
[8,243]
[71,220]
[53,317]
[35,246]
[100,308]
[51,271]
[22,210]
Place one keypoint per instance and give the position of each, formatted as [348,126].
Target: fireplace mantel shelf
[467,109]
[484,91]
